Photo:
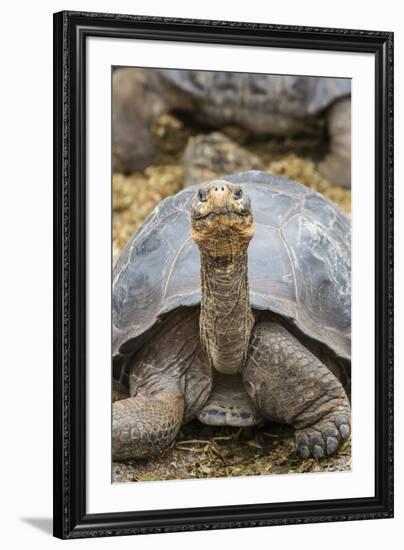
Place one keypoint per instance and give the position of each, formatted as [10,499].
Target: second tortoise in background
[273,105]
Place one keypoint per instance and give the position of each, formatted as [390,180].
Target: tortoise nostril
[219,188]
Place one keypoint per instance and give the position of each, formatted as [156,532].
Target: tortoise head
[222,220]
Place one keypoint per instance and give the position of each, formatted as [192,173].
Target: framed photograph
[223,240]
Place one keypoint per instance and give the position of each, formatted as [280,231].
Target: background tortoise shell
[294,96]
[299,263]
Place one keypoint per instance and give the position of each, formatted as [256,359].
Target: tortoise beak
[220,197]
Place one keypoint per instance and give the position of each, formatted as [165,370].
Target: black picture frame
[71,30]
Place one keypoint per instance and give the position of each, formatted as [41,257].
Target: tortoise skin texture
[297,273]
[157,423]
[262,104]
[290,385]
[174,361]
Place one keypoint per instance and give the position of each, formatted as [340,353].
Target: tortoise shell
[288,95]
[299,264]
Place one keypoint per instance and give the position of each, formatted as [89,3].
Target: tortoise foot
[324,437]
[142,426]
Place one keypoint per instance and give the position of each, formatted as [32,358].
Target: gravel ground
[203,452]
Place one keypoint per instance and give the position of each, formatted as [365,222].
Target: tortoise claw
[323,438]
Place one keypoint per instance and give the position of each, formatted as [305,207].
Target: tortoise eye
[202,195]
[238,193]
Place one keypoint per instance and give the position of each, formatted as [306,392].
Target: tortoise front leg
[142,426]
[290,385]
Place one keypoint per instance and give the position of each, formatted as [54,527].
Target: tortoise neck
[226,317]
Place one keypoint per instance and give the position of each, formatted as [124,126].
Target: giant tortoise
[232,304]
[262,104]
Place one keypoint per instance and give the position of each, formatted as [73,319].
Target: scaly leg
[290,385]
[142,426]
[169,381]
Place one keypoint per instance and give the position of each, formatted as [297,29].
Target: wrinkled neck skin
[226,317]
